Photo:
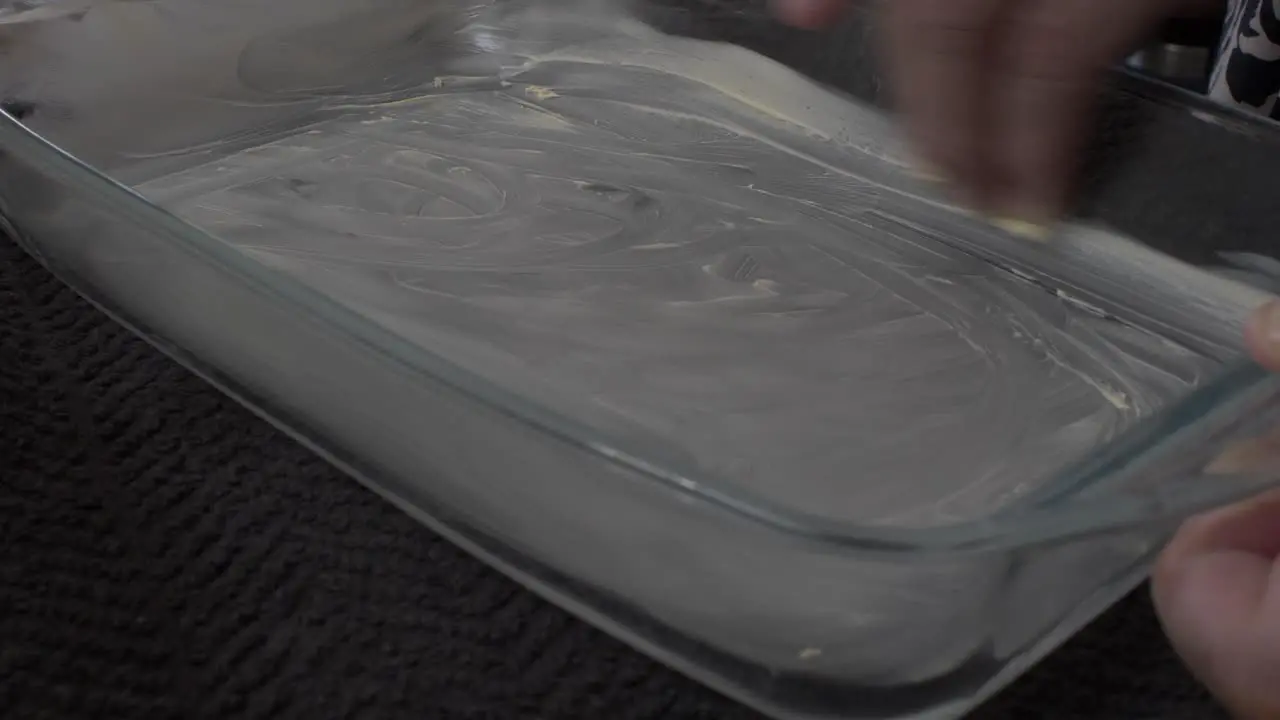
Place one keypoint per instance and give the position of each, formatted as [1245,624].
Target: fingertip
[1030,208]
[1033,165]
[962,184]
[936,57]
[1053,67]
[1249,526]
[809,14]
[1262,335]
[1244,529]
[1214,608]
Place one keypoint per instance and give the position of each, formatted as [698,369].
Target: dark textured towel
[164,553]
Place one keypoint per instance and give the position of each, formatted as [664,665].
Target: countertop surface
[165,553]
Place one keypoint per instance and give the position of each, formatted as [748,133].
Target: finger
[1251,527]
[1263,336]
[936,55]
[810,14]
[1053,68]
[1217,589]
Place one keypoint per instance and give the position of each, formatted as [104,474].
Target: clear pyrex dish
[658,326]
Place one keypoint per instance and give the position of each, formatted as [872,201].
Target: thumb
[1217,584]
[1217,590]
[1263,336]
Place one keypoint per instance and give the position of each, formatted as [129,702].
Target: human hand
[997,95]
[1217,585]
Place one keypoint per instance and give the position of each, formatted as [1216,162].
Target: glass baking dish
[662,328]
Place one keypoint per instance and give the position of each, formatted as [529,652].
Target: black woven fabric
[165,554]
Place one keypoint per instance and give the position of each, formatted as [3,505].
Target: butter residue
[1118,399]
[541,93]
[1021,228]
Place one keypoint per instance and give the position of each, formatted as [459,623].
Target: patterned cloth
[1247,73]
